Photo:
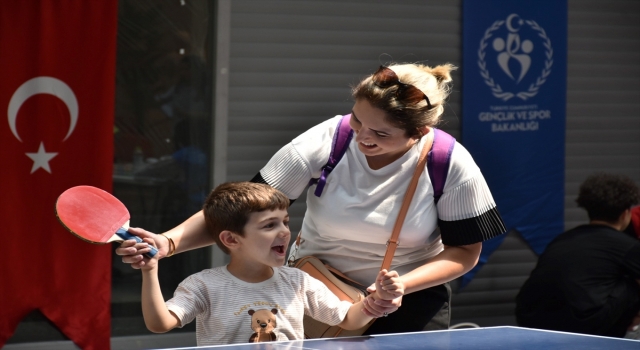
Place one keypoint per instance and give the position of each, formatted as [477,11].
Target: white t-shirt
[220,304]
[349,225]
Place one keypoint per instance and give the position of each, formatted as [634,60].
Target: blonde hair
[229,205]
[432,81]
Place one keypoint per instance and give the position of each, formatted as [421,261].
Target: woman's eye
[381,135]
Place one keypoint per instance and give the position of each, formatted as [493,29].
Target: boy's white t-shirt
[349,225]
[220,304]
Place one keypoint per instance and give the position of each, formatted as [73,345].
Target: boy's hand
[389,285]
[133,253]
[150,263]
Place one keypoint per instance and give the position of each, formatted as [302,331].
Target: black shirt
[584,280]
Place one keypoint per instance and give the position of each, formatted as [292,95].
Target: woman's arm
[450,264]
[191,234]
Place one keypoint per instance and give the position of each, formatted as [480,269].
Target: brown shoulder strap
[392,244]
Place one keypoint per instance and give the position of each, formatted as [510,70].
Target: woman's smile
[380,141]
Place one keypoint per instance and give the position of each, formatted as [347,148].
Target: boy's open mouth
[279,249]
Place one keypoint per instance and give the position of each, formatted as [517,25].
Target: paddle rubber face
[94,215]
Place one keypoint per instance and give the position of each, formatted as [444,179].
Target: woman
[349,224]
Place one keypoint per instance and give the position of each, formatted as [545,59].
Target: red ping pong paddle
[95,216]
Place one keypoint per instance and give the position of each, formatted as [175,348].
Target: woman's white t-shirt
[349,224]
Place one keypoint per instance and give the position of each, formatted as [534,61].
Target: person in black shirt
[587,279]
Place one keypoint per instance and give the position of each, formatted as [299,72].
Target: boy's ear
[229,239]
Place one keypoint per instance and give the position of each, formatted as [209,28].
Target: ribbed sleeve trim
[467,200]
[287,171]
[473,230]
[260,180]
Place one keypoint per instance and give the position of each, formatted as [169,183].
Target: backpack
[437,162]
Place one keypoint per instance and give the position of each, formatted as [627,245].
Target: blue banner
[514,103]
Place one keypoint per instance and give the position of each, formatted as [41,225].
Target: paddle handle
[124,234]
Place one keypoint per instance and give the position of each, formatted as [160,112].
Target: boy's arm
[154,310]
[355,317]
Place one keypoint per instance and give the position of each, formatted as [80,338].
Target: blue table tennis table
[490,338]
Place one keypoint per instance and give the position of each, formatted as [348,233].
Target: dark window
[162,136]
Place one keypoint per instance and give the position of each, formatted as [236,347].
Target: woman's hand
[375,307]
[133,253]
[380,308]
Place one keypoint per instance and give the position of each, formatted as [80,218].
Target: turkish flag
[57,60]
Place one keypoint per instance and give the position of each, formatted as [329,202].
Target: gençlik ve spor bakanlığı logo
[515,57]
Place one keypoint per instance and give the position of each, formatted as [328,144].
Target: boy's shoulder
[291,272]
[220,274]
[294,276]
[211,275]
[301,280]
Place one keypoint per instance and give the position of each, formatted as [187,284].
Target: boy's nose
[284,231]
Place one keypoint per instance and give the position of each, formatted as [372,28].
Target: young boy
[254,297]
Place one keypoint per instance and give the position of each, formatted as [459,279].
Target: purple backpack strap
[438,161]
[341,139]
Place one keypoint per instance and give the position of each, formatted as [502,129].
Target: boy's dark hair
[606,196]
[228,206]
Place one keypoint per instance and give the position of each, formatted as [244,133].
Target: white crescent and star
[42,85]
[509,22]
[41,159]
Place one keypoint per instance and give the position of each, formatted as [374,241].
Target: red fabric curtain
[57,97]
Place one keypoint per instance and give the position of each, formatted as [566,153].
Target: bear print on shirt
[263,322]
